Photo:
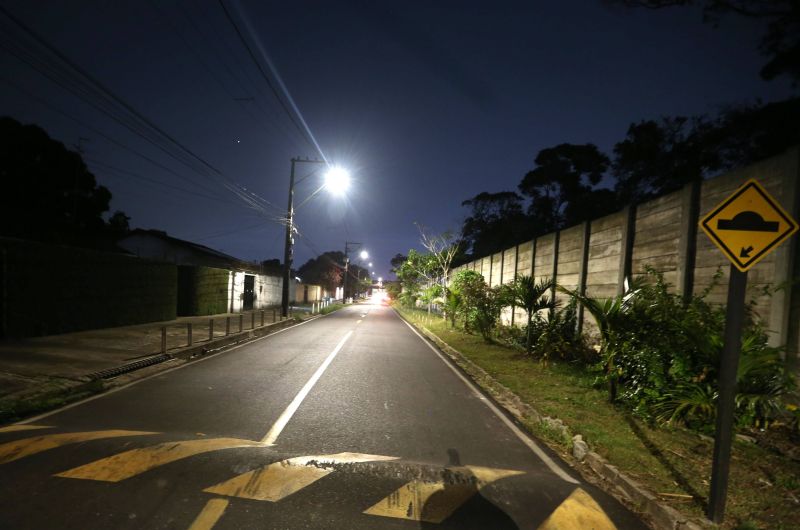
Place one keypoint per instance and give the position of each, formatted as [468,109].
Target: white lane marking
[287,414]
[555,468]
[165,372]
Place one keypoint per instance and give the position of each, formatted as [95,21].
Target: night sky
[427,103]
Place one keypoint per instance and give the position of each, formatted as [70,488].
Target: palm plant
[453,305]
[609,315]
[525,293]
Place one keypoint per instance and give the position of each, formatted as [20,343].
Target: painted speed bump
[281,479]
[17,449]
[433,502]
[136,461]
[25,427]
[211,513]
[578,512]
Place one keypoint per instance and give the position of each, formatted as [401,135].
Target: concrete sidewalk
[30,365]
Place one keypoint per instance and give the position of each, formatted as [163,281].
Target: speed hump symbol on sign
[748,225]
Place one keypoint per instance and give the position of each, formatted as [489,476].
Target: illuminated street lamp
[337,180]
[363,255]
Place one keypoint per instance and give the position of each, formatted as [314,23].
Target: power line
[153,181]
[211,72]
[272,116]
[96,94]
[304,130]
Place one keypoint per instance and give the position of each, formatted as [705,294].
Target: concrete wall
[596,257]
[49,289]
[267,291]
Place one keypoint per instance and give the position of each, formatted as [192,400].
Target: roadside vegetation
[641,387]
[330,308]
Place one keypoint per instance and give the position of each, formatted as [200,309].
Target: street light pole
[346,267]
[289,242]
[287,249]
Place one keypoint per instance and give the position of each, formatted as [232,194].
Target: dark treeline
[49,194]
[572,183]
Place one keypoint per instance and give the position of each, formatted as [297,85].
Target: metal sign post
[746,226]
[729,365]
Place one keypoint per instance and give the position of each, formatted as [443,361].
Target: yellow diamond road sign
[748,225]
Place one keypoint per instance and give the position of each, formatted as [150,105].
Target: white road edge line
[555,468]
[158,374]
[275,431]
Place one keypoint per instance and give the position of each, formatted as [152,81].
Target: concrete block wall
[596,257]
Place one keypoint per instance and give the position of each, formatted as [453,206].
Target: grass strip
[672,463]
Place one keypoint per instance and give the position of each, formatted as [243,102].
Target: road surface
[348,421]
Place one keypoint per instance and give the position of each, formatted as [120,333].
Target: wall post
[554,277]
[516,265]
[626,250]
[583,271]
[687,246]
[785,267]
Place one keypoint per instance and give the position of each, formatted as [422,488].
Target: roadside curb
[661,516]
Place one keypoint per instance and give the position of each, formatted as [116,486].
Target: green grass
[764,489]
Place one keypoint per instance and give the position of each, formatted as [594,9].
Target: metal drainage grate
[130,367]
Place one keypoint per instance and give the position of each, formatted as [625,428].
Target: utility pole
[347,245]
[287,249]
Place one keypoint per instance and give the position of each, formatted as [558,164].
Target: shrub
[664,353]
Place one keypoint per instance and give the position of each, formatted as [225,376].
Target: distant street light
[364,254]
[337,180]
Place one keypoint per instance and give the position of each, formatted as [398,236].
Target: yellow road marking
[17,449]
[433,502]
[281,479]
[578,512]
[211,513]
[26,427]
[131,463]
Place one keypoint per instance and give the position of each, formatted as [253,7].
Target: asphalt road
[348,421]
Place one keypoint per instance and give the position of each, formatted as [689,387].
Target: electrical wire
[303,129]
[90,90]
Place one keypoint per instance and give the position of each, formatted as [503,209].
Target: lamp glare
[337,180]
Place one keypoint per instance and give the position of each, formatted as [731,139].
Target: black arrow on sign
[745,253]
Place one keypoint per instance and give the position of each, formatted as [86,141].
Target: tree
[524,292]
[119,223]
[562,187]
[397,261]
[48,192]
[480,304]
[780,43]
[443,249]
[496,221]
[657,157]
[325,270]
[413,271]
[744,134]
